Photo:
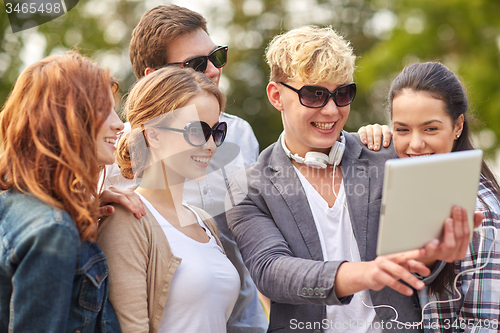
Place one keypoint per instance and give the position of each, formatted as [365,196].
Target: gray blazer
[275,231]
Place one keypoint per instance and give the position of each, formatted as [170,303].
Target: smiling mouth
[323,126]
[203,160]
[418,155]
[110,141]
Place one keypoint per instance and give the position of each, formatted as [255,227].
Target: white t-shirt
[338,243]
[205,286]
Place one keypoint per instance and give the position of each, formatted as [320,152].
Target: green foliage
[464,35]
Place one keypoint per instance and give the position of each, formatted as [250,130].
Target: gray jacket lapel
[287,183]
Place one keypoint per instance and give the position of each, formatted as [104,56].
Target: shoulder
[267,154]
[262,168]
[123,224]
[122,235]
[241,133]
[237,125]
[25,215]
[234,120]
[125,218]
[29,225]
[355,149]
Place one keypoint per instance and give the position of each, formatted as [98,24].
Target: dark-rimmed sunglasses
[218,57]
[317,97]
[197,133]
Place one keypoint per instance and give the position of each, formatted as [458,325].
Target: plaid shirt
[478,310]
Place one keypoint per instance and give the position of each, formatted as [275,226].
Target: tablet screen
[419,193]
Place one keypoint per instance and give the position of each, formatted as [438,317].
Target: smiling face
[107,136]
[191,45]
[308,129]
[180,158]
[422,126]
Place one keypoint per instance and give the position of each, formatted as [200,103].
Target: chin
[197,177]
[107,161]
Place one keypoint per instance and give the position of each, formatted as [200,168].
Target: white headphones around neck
[316,159]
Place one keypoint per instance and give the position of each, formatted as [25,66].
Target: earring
[457,136]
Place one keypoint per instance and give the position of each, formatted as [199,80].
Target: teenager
[428,106]
[307,218]
[168,272]
[174,35]
[57,130]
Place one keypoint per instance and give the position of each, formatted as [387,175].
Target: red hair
[48,130]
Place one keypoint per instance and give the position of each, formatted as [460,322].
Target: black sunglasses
[317,97]
[197,133]
[218,57]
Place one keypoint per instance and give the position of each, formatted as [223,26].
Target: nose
[116,123]
[330,108]
[416,142]
[213,73]
[210,145]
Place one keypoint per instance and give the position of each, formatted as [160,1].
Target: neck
[156,188]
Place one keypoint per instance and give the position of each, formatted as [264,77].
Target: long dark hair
[439,82]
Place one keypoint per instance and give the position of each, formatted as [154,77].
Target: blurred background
[386,36]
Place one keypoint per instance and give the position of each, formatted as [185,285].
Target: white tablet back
[419,193]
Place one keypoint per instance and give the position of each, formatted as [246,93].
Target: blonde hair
[48,130]
[154,95]
[311,54]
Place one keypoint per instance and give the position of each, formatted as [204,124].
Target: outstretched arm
[266,245]
[384,271]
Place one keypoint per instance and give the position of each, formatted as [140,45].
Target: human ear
[149,70]
[274,95]
[459,126]
[152,138]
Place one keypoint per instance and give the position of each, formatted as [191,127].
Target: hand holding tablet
[418,196]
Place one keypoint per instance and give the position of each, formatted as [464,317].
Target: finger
[377,136]
[418,267]
[466,233]
[129,199]
[461,232]
[478,219]
[369,136]
[362,134]
[431,249]
[448,243]
[106,210]
[387,134]
[398,286]
[399,273]
[132,205]
[383,275]
[402,257]
[136,201]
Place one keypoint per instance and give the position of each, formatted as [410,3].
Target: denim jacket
[50,281]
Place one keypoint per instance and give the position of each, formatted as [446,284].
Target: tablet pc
[418,195]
